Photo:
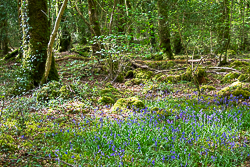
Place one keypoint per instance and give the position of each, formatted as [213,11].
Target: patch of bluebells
[184,137]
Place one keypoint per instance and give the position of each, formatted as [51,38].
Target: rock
[207,88]
[127,103]
[109,95]
[236,89]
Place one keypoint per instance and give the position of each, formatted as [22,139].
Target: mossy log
[11,55]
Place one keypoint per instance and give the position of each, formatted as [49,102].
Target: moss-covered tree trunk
[35,28]
[121,17]
[3,30]
[164,32]
[93,19]
[224,33]
[177,43]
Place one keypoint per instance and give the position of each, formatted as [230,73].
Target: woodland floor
[72,70]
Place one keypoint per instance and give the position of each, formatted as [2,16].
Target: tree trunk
[224,33]
[130,26]
[65,37]
[50,62]
[151,30]
[64,41]
[93,19]
[121,17]
[4,30]
[164,32]
[35,39]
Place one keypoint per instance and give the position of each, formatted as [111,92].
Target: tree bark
[93,19]
[50,58]
[35,28]
[3,30]
[121,17]
[224,33]
[164,32]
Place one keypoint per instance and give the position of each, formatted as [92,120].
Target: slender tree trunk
[152,30]
[112,17]
[121,17]
[177,43]
[64,36]
[93,19]
[50,62]
[130,26]
[4,30]
[164,31]
[224,33]
[35,39]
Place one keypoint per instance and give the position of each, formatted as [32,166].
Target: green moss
[120,78]
[227,91]
[187,76]
[155,109]
[127,103]
[109,95]
[67,91]
[106,100]
[231,52]
[49,91]
[143,74]
[129,74]
[157,76]
[238,63]
[230,77]
[158,57]
[135,81]
[11,55]
[7,143]
[170,64]
[207,87]
[150,88]
[239,91]
[244,78]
